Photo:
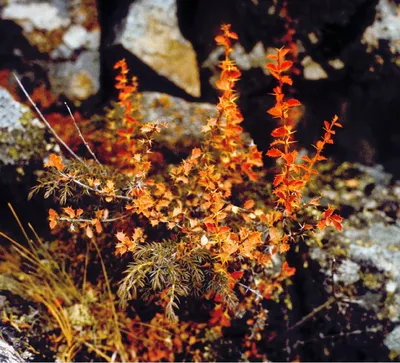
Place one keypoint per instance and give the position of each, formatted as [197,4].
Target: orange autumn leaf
[284,247]
[53,217]
[55,161]
[275,111]
[328,218]
[70,212]
[219,316]
[248,204]
[196,152]
[287,270]
[235,277]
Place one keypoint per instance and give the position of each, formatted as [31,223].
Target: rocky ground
[347,64]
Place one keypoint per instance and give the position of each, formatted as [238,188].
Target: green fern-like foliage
[159,268]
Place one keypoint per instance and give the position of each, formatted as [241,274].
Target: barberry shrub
[203,226]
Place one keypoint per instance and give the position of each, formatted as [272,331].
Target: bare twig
[333,267]
[248,288]
[315,311]
[367,330]
[81,136]
[98,191]
[46,122]
[76,220]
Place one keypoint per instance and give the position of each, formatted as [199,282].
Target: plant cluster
[210,227]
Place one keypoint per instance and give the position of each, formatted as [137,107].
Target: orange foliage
[293,177]
[192,202]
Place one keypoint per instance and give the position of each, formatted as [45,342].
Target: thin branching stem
[98,191]
[81,136]
[46,122]
[248,288]
[72,220]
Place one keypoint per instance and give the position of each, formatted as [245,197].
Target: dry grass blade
[39,275]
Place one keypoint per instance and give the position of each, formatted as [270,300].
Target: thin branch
[46,122]
[83,185]
[81,136]
[89,220]
[248,288]
[315,311]
[333,269]
[367,330]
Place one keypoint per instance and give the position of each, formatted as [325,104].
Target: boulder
[21,134]
[64,41]
[150,31]
[364,260]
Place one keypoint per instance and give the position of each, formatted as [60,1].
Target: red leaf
[274,153]
[293,102]
[278,180]
[286,65]
[271,66]
[289,271]
[279,132]
[210,227]
[237,275]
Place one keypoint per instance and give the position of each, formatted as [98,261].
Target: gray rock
[69,34]
[151,32]
[348,272]
[78,79]
[392,340]
[36,15]
[370,242]
[381,249]
[8,354]
[386,26]
[21,134]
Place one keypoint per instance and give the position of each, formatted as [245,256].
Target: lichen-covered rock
[68,37]
[392,340]
[77,79]
[312,70]
[347,272]
[36,16]
[151,33]
[256,58]
[55,27]
[21,134]
[386,26]
[368,249]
